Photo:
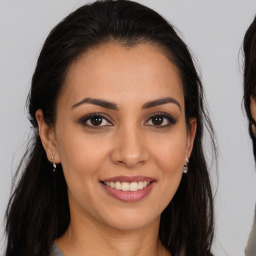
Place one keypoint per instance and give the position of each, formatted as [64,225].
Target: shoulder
[55,251]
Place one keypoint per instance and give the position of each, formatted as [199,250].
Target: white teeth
[134,186]
[126,186]
[118,185]
[140,185]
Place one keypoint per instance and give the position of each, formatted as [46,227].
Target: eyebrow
[113,106]
[162,101]
[98,102]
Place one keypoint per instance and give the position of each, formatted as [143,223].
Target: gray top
[56,251]
[250,249]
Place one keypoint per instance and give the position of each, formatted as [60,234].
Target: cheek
[81,159]
[79,154]
[170,155]
[170,159]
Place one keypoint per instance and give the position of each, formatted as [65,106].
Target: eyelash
[89,117]
[166,118]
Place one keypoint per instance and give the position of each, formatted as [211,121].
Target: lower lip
[129,196]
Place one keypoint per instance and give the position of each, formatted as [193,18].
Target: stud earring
[185,169]
[53,164]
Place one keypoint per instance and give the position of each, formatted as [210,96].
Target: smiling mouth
[126,186]
[128,189]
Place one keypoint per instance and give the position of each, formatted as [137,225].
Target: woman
[249,47]
[116,166]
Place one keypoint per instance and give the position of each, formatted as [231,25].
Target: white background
[213,30]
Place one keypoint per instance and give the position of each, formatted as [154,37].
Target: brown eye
[161,120]
[157,120]
[95,121]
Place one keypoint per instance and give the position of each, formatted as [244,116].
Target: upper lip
[128,179]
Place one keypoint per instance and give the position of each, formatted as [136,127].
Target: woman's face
[120,135]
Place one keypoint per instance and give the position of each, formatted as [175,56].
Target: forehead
[111,70]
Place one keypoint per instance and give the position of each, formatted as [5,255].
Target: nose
[130,148]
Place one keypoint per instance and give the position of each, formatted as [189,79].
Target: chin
[132,220]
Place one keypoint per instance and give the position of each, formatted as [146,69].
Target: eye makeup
[161,120]
[100,120]
[95,120]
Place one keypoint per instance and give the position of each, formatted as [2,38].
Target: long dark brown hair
[38,210]
[249,48]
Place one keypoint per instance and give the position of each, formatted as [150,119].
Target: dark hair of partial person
[38,210]
[249,48]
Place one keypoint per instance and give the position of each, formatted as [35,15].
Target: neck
[89,237]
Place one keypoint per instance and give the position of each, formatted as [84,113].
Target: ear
[47,136]
[191,136]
